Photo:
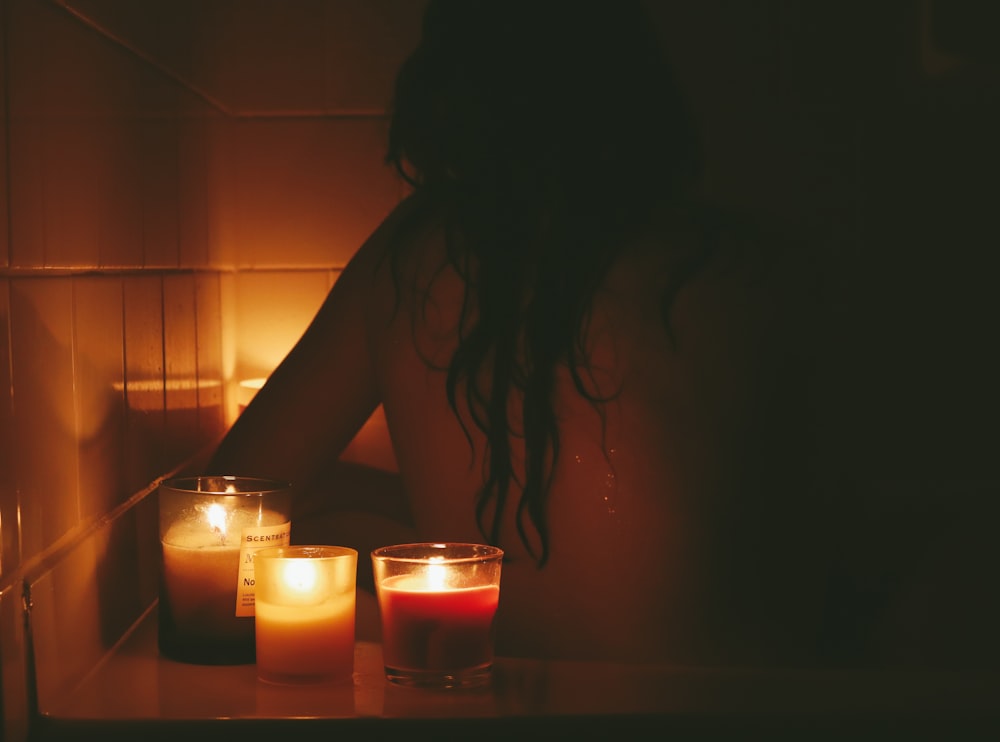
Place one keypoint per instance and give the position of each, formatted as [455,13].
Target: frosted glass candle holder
[306,600]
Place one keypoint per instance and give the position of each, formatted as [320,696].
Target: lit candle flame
[300,575]
[216,515]
[436,574]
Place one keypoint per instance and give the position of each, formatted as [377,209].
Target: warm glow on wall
[247,390]
[150,395]
[264,313]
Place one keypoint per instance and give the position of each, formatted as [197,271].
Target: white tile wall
[46,455]
[99,378]
[9,529]
[331,165]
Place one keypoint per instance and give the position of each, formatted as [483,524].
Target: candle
[437,604]
[209,529]
[305,608]
[437,629]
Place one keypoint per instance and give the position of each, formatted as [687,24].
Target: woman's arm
[323,391]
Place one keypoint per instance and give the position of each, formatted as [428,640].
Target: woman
[577,360]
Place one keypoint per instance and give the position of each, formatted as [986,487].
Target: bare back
[655,521]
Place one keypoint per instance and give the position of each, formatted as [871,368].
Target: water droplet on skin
[611,488]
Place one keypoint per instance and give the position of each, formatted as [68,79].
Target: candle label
[251,540]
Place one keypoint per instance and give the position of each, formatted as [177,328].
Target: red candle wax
[437,629]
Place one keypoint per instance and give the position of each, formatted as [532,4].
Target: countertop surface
[137,694]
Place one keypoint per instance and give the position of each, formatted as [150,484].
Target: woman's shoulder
[412,216]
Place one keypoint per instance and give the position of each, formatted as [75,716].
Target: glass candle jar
[210,527]
[437,603]
[306,604]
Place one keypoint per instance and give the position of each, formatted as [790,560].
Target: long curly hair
[545,131]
